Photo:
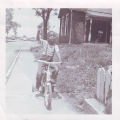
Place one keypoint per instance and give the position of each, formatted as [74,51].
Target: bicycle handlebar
[48,62]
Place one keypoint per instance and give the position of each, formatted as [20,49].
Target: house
[85,25]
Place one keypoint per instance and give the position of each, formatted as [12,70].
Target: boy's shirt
[49,50]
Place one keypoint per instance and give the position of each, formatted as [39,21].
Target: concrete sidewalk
[19,86]
[19,96]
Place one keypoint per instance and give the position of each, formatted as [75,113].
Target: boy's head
[51,39]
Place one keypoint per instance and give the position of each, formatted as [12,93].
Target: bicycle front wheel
[48,96]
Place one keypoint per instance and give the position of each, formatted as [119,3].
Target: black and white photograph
[58,61]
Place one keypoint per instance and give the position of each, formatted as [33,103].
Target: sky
[29,22]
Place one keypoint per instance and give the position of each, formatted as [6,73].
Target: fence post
[108,83]
[100,84]
[104,84]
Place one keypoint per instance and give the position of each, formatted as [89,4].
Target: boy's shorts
[47,58]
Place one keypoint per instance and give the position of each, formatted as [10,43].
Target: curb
[93,106]
[12,66]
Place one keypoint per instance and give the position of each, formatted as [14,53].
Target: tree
[15,27]
[9,18]
[10,24]
[45,14]
[40,32]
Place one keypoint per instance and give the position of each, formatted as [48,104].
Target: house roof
[61,12]
[101,13]
[101,10]
[98,10]
[95,12]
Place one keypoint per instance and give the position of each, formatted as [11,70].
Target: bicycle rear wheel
[48,96]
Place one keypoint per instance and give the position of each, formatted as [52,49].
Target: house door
[79,32]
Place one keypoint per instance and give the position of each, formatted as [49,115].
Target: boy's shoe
[39,94]
[36,93]
[36,90]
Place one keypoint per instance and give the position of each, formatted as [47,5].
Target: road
[19,97]
[12,48]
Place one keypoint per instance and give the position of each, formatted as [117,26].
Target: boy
[50,48]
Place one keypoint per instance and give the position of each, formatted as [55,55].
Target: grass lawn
[78,74]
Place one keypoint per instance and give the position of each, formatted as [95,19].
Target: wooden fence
[104,84]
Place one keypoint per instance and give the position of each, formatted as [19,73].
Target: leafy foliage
[44,13]
[40,31]
[14,27]
[10,24]
[9,18]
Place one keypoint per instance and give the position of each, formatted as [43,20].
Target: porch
[98,28]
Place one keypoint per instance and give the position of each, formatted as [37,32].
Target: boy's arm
[43,42]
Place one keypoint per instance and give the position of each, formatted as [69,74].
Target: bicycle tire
[48,97]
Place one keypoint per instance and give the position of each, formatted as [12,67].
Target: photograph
[58,61]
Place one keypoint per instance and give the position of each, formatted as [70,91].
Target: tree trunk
[38,35]
[45,30]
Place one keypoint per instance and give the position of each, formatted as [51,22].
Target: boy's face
[51,41]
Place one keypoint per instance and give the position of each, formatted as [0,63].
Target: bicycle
[46,83]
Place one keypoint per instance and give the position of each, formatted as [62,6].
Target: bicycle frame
[48,68]
[48,84]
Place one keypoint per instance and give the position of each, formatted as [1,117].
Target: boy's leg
[54,77]
[38,81]
[55,71]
